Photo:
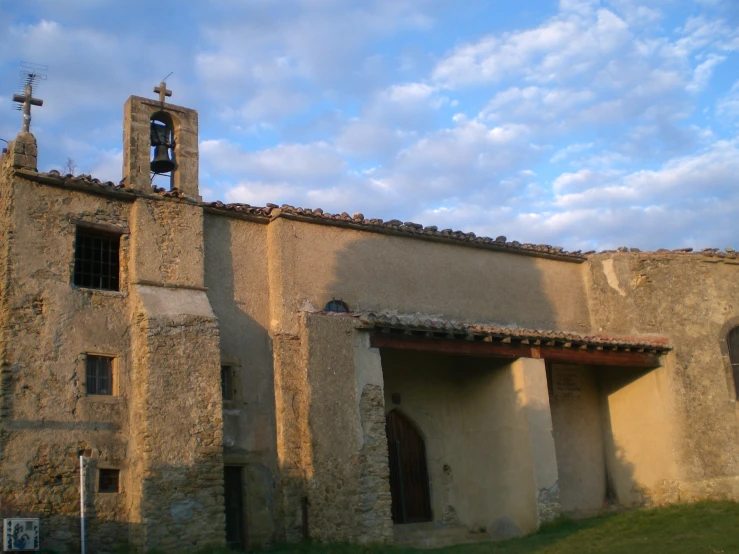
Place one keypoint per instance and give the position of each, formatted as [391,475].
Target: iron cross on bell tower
[27,100]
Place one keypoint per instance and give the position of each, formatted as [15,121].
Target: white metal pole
[83,474]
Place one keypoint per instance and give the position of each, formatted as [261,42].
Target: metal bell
[161,162]
[161,141]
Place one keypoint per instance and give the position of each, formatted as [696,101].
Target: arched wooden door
[409,478]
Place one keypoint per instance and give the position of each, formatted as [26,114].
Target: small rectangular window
[96,259]
[99,375]
[108,480]
[227,382]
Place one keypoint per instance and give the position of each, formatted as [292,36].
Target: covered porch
[438,431]
[510,423]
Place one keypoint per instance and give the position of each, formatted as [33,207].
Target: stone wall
[331,443]
[375,500]
[162,427]
[688,298]
[292,398]
[333,471]
[177,439]
[177,413]
[47,418]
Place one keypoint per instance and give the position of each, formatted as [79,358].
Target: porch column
[530,381]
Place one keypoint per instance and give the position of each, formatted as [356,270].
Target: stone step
[433,535]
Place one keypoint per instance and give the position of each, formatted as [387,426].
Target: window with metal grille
[732,340]
[96,259]
[99,375]
[227,382]
[108,480]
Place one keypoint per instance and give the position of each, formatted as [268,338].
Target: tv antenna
[30,76]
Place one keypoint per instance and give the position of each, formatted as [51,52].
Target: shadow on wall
[381,273]
[52,494]
[612,437]
[477,430]
[232,253]
[413,276]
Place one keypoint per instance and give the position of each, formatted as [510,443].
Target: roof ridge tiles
[272,211]
[419,322]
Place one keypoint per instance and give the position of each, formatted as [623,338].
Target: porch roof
[411,332]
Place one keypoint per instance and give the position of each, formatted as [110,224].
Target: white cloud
[316,48]
[286,162]
[258,193]
[366,138]
[709,174]
[703,72]
[588,125]
[569,150]
[409,93]
[567,45]
[728,105]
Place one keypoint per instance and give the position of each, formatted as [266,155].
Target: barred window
[99,375]
[96,259]
[227,382]
[732,341]
[108,480]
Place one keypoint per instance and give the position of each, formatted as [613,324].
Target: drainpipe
[83,475]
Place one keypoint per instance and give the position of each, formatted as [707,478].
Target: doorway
[409,480]
[235,529]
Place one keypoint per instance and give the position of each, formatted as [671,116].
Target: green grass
[705,527]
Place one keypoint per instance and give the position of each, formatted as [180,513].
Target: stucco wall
[615,436]
[237,278]
[689,299]
[477,437]
[374,272]
[640,433]
[578,438]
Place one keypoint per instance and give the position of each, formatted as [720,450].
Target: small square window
[96,259]
[108,480]
[227,382]
[99,375]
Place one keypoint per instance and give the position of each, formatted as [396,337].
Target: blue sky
[579,123]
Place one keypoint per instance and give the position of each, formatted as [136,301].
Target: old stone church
[268,374]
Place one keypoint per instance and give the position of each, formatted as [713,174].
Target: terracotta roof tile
[394,226]
[447,328]
[83,180]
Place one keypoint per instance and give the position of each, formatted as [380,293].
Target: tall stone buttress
[176,473]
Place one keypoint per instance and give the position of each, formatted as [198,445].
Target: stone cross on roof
[27,100]
[162,91]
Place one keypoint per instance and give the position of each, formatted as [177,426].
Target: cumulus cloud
[728,105]
[297,162]
[285,45]
[600,125]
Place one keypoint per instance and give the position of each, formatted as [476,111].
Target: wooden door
[409,481]
[235,529]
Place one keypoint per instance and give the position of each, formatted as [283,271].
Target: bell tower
[160,139]
[175,470]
